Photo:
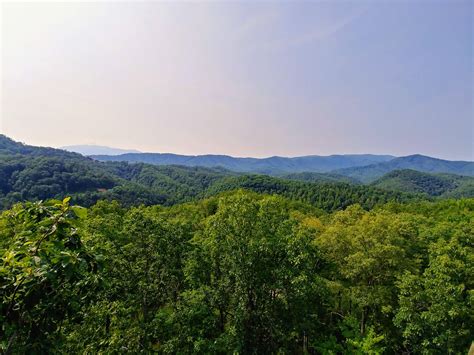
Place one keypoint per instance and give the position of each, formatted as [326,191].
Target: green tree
[256,272]
[143,272]
[44,274]
[369,250]
[436,306]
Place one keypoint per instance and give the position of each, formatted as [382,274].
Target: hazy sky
[242,78]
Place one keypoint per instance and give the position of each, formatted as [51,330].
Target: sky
[243,78]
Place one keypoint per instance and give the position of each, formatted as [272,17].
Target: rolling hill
[370,173]
[270,166]
[364,168]
[30,173]
[445,185]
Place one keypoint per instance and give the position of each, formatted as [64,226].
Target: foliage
[326,196]
[431,184]
[259,273]
[320,177]
[241,272]
[261,265]
[436,306]
[32,173]
[44,275]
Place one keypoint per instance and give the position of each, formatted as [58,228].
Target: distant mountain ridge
[272,165]
[29,173]
[369,173]
[363,168]
[91,149]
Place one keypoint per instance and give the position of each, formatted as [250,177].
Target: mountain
[97,150]
[445,185]
[422,163]
[271,166]
[10,147]
[363,168]
[30,173]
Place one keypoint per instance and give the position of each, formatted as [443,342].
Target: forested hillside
[34,173]
[327,196]
[270,166]
[319,177]
[31,173]
[140,237]
[370,173]
[444,185]
[239,273]
[249,264]
[364,168]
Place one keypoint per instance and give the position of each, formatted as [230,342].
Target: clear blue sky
[242,78]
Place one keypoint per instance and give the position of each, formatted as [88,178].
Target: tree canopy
[241,272]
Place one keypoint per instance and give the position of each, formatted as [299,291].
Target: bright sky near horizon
[242,78]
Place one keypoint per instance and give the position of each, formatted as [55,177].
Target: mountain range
[363,168]
[272,165]
[29,173]
[40,173]
[417,162]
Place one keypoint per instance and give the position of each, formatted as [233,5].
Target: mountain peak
[91,149]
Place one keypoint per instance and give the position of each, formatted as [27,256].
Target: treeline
[237,273]
[443,185]
[324,195]
[30,173]
[36,177]
[34,173]
[32,178]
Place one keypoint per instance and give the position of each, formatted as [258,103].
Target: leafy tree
[44,275]
[240,272]
[369,251]
[143,271]
[436,306]
[256,272]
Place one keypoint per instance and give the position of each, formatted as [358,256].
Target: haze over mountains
[417,162]
[29,173]
[364,168]
[272,165]
[39,173]
[91,149]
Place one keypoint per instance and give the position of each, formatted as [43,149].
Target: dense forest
[237,273]
[412,181]
[135,258]
[32,173]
